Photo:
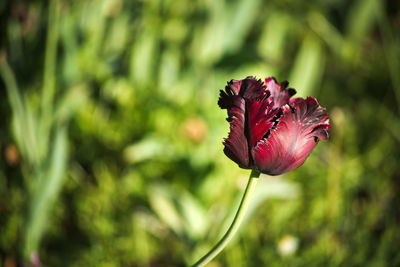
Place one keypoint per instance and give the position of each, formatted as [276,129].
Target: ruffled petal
[290,142]
[226,97]
[279,91]
[234,86]
[248,88]
[260,114]
[234,98]
[252,88]
[236,146]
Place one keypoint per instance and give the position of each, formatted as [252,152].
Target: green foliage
[111,135]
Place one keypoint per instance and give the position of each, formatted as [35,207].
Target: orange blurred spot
[194,129]
[9,262]
[11,154]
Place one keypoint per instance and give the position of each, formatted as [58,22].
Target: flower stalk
[244,204]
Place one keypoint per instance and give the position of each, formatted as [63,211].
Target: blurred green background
[111,135]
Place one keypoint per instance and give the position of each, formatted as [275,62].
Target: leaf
[308,67]
[23,117]
[75,97]
[162,203]
[150,147]
[361,18]
[194,215]
[273,38]
[46,191]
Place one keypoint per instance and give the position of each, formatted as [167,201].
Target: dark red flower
[269,131]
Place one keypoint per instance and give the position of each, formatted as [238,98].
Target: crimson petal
[289,143]
[236,146]
[248,88]
[260,114]
[279,92]
[252,88]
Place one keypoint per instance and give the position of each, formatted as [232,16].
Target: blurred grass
[111,135]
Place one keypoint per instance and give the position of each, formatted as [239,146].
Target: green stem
[244,204]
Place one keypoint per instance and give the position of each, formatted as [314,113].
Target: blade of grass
[273,39]
[238,24]
[361,19]
[50,56]
[23,133]
[45,193]
[326,31]
[390,50]
[309,66]
[49,76]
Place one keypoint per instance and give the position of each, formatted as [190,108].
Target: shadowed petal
[279,92]
[236,146]
[252,88]
[260,114]
[225,100]
[291,141]
[248,88]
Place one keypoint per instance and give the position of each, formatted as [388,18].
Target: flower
[269,131]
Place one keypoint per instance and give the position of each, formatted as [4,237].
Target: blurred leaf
[308,66]
[194,215]
[151,147]
[117,36]
[324,28]
[46,191]
[361,18]
[145,49]
[226,31]
[239,23]
[273,39]
[207,44]
[142,59]
[23,120]
[162,201]
[273,188]
[179,211]
[71,102]
[169,73]
[391,44]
